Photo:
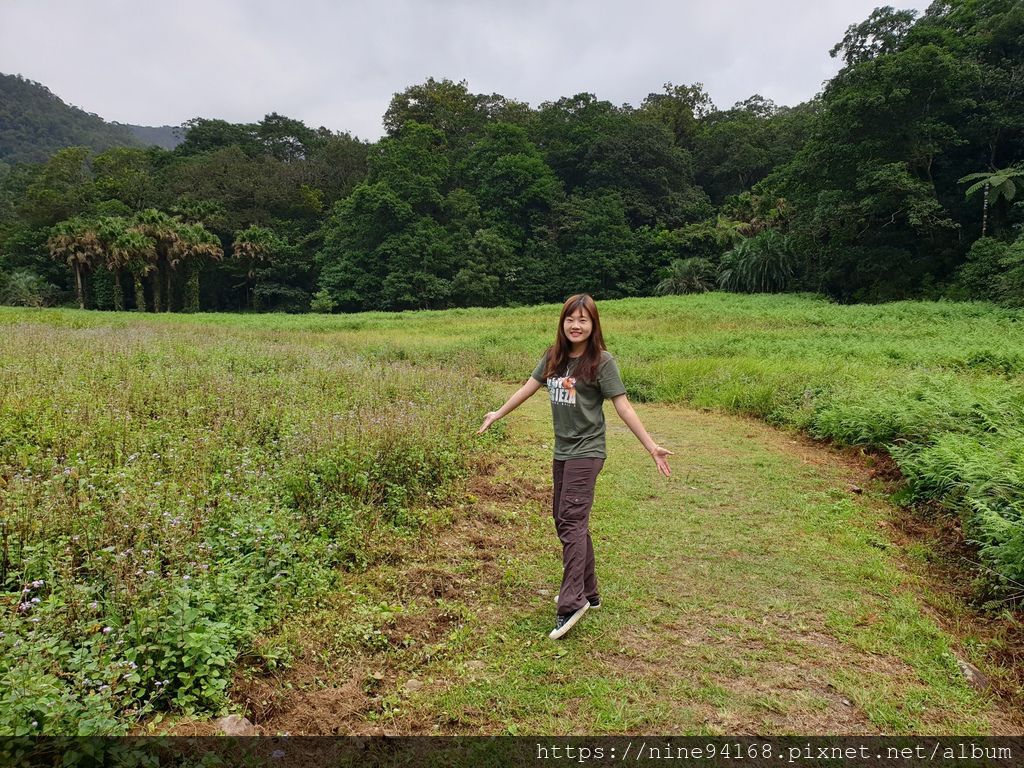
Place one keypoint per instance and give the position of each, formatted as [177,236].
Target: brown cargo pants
[573,496]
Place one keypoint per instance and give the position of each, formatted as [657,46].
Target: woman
[580,375]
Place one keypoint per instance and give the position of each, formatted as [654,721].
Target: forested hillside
[34,123]
[899,180]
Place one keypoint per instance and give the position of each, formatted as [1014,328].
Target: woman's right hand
[660,455]
[489,419]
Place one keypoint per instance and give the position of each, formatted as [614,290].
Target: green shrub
[763,262]
[979,275]
[322,302]
[23,288]
[693,275]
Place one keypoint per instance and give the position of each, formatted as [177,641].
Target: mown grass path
[755,591]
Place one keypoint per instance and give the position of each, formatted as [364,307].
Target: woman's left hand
[659,454]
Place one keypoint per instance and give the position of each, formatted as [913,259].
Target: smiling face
[577,327]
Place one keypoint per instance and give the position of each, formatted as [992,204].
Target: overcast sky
[337,63]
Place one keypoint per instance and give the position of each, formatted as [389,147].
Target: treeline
[898,181]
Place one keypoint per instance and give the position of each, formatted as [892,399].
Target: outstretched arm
[520,396]
[625,410]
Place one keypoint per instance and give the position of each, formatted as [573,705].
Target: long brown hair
[558,353]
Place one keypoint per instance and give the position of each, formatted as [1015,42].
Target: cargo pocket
[577,502]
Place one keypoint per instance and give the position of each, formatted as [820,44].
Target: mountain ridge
[35,123]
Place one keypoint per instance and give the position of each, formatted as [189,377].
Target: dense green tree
[994,270]
[287,139]
[878,212]
[484,275]
[129,176]
[566,131]
[386,246]
[880,33]
[251,190]
[420,262]
[203,135]
[601,256]
[276,275]
[638,160]
[681,108]
[415,164]
[337,164]
[980,275]
[62,189]
[76,242]
[513,185]
[449,108]
[1010,288]
[351,268]
[594,146]
[738,147]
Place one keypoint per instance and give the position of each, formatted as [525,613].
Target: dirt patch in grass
[433,583]
[488,489]
[301,700]
[437,577]
[184,726]
[421,628]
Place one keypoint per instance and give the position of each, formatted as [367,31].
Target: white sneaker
[565,622]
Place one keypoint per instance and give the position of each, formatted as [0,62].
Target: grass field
[936,385]
[177,489]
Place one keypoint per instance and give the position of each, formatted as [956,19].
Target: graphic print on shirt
[562,390]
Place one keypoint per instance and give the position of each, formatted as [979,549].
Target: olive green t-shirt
[576,407]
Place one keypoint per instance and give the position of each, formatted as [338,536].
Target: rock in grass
[413,685]
[235,725]
[977,678]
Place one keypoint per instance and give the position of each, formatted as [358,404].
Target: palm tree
[163,231]
[77,243]
[729,231]
[110,229]
[693,275]
[1000,182]
[136,253]
[759,263]
[255,245]
[124,248]
[197,242]
[127,248]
